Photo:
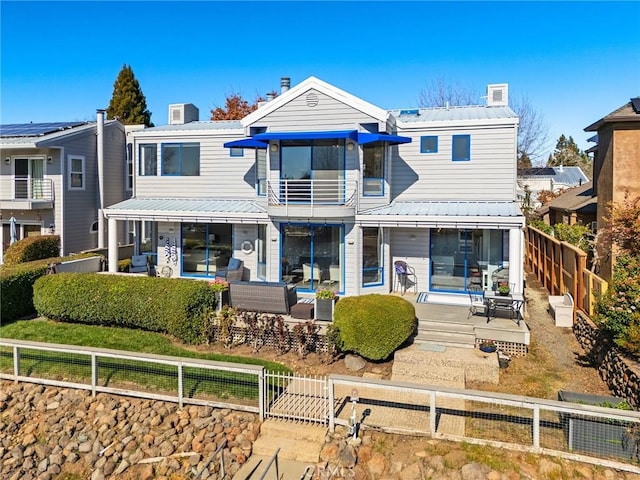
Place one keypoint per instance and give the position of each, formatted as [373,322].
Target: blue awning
[246,143]
[364,138]
[352,134]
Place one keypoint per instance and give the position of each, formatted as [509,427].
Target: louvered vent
[312,100]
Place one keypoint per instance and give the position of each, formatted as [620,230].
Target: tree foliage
[236,107]
[568,154]
[532,129]
[621,227]
[128,104]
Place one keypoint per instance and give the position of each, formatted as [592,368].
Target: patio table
[512,303]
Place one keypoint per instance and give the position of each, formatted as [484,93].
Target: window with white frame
[148,159]
[76,172]
[129,167]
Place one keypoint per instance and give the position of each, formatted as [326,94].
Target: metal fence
[589,433]
[157,377]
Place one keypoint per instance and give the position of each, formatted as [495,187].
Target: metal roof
[476,214]
[563,175]
[444,114]
[186,209]
[203,126]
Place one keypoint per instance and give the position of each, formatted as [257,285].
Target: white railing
[31,189]
[594,434]
[315,192]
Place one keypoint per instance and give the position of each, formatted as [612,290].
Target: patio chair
[139,264]
[233,271]
[308,270]
[476,298]
[405,277]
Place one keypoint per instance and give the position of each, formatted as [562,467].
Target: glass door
[28,178]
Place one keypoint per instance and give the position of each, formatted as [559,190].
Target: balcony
[336,198]
[27,193]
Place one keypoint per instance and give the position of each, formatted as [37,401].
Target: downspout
[100,158]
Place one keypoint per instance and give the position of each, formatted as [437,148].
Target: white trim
[70,158]
[323,87]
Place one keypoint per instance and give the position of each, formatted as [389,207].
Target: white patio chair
[307,271]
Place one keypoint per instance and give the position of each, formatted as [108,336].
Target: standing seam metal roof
[448,208]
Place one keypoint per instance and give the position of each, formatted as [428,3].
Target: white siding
[327,114]
[412,246]
[489,175]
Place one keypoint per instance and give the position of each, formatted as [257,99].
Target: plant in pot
[488,346]
[504,290]
[220,289]
[325,300]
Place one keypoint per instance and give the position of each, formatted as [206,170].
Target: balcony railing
[28,190]
[311,196]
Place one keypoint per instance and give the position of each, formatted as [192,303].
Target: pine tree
[567,154]
[128,104]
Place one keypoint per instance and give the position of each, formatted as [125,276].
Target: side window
[461,149]
[181,159]
[429,144]
[148,155]
[236,152]
[261,171]
[76,172]
[373,169]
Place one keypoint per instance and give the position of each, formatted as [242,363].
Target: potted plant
[325,300]
[488,346]
[220,289]
[503,290]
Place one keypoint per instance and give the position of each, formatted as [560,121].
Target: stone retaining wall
[621,374]
[46,431]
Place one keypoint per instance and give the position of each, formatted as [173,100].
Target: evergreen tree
[568,154]
[128,104]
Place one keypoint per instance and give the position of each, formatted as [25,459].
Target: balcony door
[312,171]
[28,178]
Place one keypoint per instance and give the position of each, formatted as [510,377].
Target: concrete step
[256,466]
[446,376]
[290,448]
[450,339]
[444,326]
[273,428]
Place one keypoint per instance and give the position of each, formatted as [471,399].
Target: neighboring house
[553,179]
[576,206]
[616,166]
[319,188]
[49,180]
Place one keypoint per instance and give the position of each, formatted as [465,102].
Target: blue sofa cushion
[234,264]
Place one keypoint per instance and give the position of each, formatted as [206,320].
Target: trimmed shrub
[175,306]
[16,285]
[374,326]
[32,248]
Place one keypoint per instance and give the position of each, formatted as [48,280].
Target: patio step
[451,334]
[256,466]
[300,442]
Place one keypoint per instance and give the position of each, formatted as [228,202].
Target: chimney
[285,83]
[100,161]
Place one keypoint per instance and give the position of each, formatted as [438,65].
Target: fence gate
[294,397]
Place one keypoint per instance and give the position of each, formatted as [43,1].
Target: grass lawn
[160,378]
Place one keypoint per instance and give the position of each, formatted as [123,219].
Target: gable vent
[312,100]
[498,95]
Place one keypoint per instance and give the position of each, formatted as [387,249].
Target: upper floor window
[236,152]
[148,159]
[461,148]
[181,159]
[129,166]
[76,172]
[429,144]
[261,171]
[373,169]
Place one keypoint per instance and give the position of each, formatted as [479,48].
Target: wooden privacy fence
[562,268]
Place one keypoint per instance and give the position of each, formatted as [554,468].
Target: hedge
[32,248]
[16,285]
[175,306]
[374,326]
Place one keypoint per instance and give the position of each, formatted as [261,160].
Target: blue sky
[574,61]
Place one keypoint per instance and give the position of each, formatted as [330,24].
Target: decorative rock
[474,471]
[412,472]
[354,363]
[376,465]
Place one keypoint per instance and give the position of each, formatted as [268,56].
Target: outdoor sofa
[266,297]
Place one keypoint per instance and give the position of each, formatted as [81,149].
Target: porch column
[113,245]
[516,260]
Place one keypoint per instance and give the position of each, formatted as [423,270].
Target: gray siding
[328,114]
[221,175]
[489,175]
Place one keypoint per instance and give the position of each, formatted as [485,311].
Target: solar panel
[35,129]
[635,102]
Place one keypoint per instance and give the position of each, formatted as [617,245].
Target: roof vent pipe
[270,96]
[285,84]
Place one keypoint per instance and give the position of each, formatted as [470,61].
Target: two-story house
[54,177]
[320,188]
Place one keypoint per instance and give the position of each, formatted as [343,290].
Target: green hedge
[16,285]
[374,326]
[32,248]
[175,306]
